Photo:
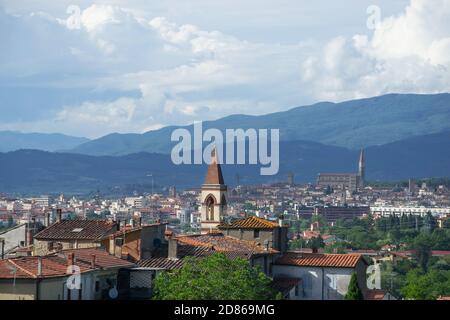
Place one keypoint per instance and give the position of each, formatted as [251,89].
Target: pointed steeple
[214,174]
[362,168]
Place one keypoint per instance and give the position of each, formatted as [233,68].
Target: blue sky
[134,66]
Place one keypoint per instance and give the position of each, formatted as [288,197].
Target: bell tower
[213,196]
[362,169]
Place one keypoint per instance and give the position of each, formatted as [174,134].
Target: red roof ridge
[22,269]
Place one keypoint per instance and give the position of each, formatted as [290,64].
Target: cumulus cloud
[184,72]
[406,53]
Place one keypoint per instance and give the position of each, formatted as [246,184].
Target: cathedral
[350,181]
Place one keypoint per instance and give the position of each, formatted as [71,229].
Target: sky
[90,68]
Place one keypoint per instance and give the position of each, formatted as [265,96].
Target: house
[253,228]
[200,245]
[17,238]
[53,277]
[289,287]
[135,243]
[323,276]
[377,294]
[72,234]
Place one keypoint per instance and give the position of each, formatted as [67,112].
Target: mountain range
[352,124]
[33,171]
[12,140]
[404,135]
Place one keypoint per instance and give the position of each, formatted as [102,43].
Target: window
[297,290]
[50,245]
[256,233]
[97,286]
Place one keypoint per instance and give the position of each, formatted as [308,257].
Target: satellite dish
[113,293]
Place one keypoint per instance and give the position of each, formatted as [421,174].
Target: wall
[13,237]
[318,283]
[40,247]
[23,289]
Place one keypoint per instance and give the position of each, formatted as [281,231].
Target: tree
[213,278]
[354,292]
[10,222]
[426,286]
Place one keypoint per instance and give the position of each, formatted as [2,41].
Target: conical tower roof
[214,174]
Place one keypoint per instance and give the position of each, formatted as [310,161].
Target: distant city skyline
[134,66]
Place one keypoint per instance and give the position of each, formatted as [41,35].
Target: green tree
[214,278]
[10,222]
[354,292]
[426,286]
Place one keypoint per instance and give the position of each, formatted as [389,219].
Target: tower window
[209,208]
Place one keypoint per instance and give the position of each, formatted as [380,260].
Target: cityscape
[261,153]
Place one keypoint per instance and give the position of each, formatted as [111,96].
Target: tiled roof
[77,230]
[218,242]
[206,245]
[250,223]
[319,260]
[285,284]
[443,298]
[375,294]
[56,265]
[161,263]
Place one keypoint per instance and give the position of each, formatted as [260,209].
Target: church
[350,181]
[213,196]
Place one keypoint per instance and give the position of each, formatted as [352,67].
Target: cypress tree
[353,291]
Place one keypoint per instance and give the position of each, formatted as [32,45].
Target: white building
[398,211]
[322,276]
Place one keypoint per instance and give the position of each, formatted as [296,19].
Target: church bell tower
[213,196]
[362,169]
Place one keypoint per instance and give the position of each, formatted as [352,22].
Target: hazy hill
[351,124]
[11,140]
[28,171]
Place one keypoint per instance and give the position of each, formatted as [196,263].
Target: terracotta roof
[443,298]
[218,242]
[375,294]
[319,260]
[214,174]
[77,230]
[56,265]
[161,263]
[250,223]
[285,284]
[206,245]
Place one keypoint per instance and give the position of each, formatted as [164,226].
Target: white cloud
[406,53]
[186,68]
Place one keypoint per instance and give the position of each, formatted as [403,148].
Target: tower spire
[362,168]
[214,174]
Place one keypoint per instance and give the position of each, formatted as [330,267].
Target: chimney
[39,267]
[47,219]
[93,261]
[280,221]
[30,236]
[59,214]
[71,259]
[3,248]
[173,248]
[314,250]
